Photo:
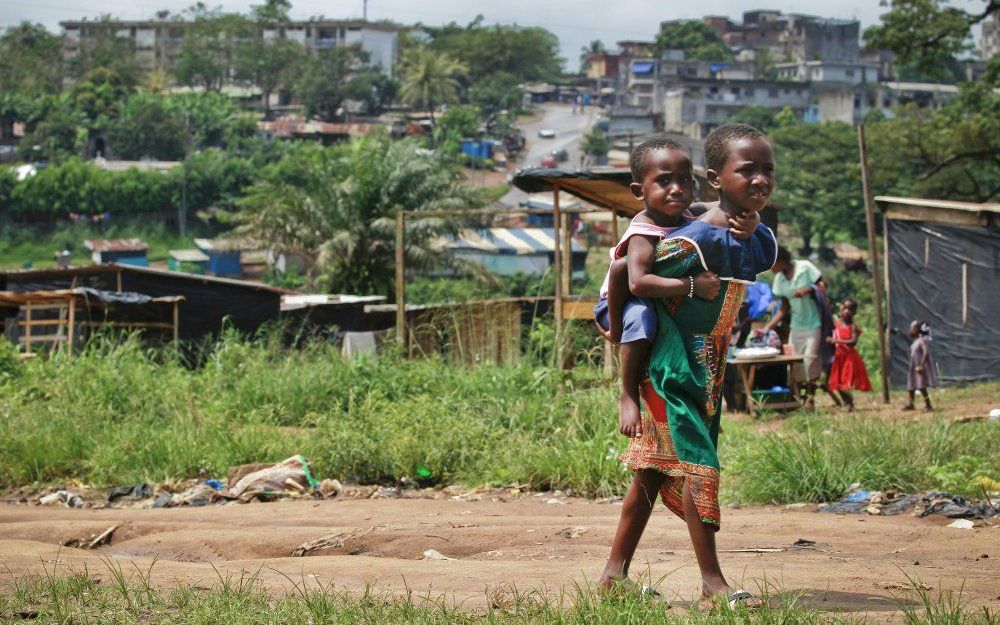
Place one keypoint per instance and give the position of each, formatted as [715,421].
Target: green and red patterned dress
[688,360]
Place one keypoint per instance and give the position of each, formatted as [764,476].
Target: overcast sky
[575,22]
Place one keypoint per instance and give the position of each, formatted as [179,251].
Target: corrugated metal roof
[115,245]
[514,241]
[189,256]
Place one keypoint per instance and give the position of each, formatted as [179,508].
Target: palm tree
[429,78]
[340,213]
[594,47]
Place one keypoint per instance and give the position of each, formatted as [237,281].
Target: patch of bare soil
[858,563]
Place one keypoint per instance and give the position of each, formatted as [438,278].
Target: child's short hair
[923,328]
[637,159]
[851,303]
[717,143]
[783,254]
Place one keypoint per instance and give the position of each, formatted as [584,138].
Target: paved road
[569,129]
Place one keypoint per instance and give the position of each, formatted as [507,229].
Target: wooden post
[567,255]
[27,328]
[611,351]
[118,280]
[557,271]
[873,254]
[72,324]
[400,285]
[176,320]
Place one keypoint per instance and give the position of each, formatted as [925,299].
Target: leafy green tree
[148,127]
[927,34]
[763,64]
[30,60]
[328,79]
[457,123]
[528,53]
[58,135]
[952,153]
[214,120]
[99,95]
[496,92]
[595,143]
[429,79]
[103,50]
[818,182]
[695,38]
[760,117]
[209,53]
[341,214]
[270,64]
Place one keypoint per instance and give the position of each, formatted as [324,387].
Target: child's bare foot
[908,407]
[629,417]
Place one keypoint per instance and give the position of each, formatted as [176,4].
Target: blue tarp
[642,67]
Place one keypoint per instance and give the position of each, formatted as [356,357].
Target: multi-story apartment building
[791,37]
[697,105]
[159,42]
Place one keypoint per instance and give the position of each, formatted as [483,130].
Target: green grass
[120,413]
[126,596]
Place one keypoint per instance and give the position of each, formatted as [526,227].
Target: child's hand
[707,285]
[605,333]
[919,369]
[831,340]
[743,226]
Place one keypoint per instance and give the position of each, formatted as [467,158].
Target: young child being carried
[663,179]
[848,373]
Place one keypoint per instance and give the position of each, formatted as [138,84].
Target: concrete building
[159,42]
[851,73]
[989,40]
[791,37]
[698,105]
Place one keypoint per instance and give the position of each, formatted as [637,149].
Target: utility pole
[364,12]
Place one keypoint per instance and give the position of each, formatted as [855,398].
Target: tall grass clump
[816,458]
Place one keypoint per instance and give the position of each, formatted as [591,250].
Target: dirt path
[858,564]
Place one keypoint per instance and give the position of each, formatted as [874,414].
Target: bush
[77,187]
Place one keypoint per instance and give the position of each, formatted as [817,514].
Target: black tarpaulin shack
[944,268]
[208,299]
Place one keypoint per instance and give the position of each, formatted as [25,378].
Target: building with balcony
[158,43]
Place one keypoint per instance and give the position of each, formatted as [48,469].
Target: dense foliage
[337,209]
[697,39]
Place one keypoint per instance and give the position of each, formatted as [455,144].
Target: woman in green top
[793,280]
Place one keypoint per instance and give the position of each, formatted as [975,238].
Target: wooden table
[747,368]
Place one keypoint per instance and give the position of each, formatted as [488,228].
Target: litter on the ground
[292,475]
[62,497]
[962,524]
[434,554]
[200,494]
[890,503]
[135,493]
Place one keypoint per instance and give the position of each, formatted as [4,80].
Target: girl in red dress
[848,372]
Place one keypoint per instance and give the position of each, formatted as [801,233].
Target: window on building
[850,73]
[772,93]
[857,103]
[736,91]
